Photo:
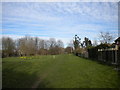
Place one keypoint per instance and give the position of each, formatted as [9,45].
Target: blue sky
[59,20]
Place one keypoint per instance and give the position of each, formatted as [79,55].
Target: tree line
[31,46]
[81,47]
[27,45]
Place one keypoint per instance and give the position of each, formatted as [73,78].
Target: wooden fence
[108,56]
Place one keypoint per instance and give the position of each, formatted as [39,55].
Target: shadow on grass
[99,62]
[43,84]
[15,79]
[119,79]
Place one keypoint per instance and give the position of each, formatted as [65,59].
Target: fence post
[112,56]
[116,56]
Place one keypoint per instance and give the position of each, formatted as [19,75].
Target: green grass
[63,71]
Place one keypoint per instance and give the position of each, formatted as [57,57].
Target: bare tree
[22,46]
[36,44]
[105,37]
[41,43]
[53,44]
[8,46]
[47,44]
[69,49]
[60,47]
[43,47]
[60,44]
[31,45]
[70,44]
[95,43]
[27,46]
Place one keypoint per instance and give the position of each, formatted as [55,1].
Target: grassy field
[60,71]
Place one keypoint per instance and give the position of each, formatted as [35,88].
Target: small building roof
[118,39]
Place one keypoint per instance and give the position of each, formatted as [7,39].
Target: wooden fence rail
[108,56]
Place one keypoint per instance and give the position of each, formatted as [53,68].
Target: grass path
[63,71]
[44,75]
[48,71]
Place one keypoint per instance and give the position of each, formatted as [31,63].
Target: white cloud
[58,19]
[103,11]
[45,11]
[25,12]
[60,1]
